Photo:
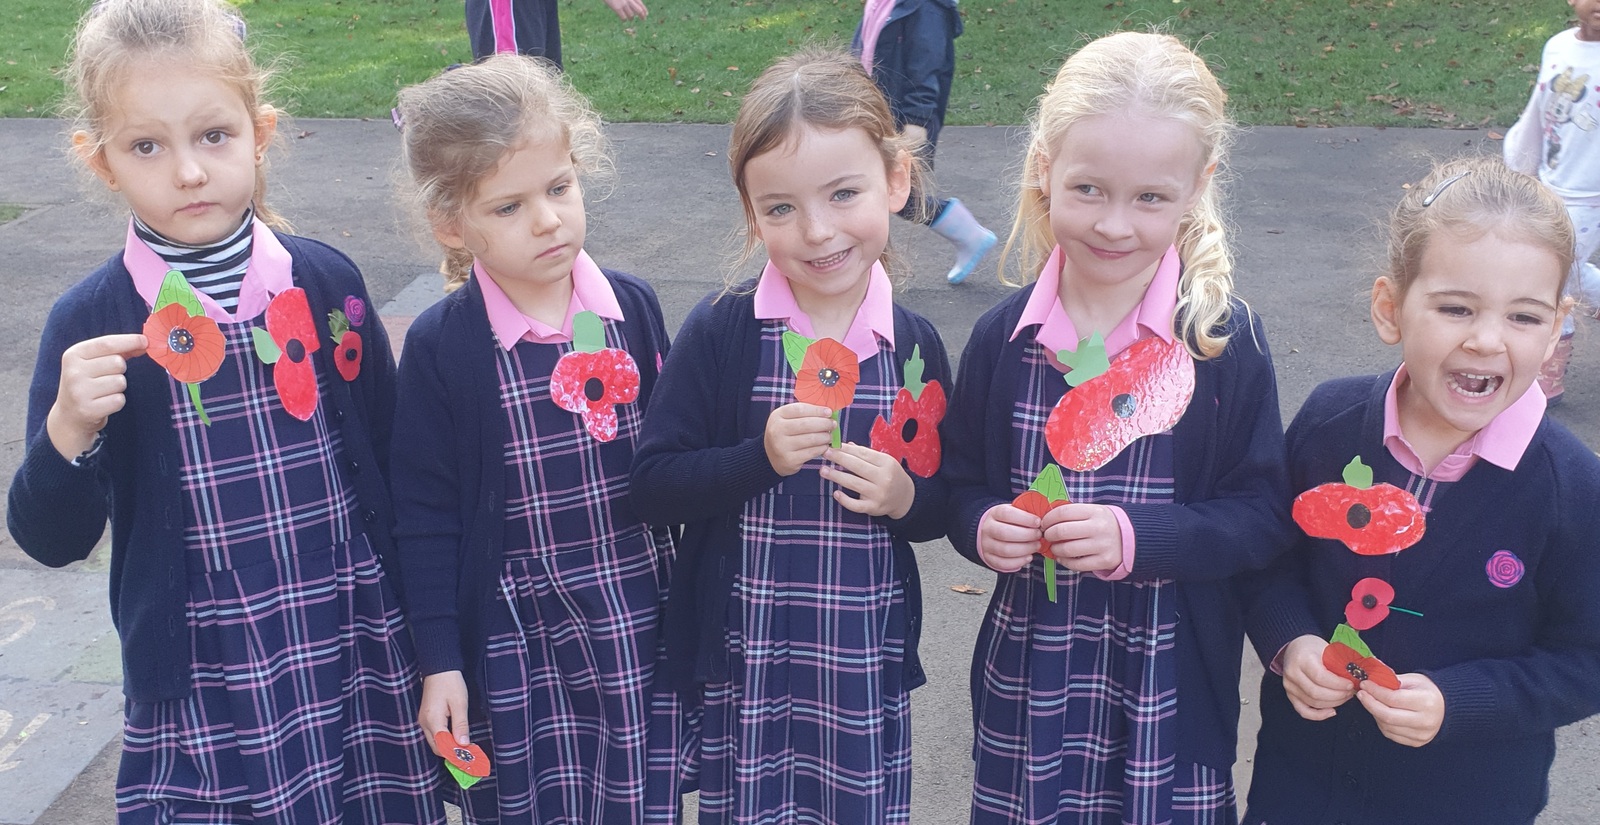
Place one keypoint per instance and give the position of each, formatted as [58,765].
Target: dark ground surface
[1305,205]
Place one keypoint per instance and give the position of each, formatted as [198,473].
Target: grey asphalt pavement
[1305,205]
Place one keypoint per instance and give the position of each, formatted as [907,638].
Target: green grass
[1304,62]
[10,212]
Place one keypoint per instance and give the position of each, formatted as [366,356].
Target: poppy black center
[180,340]
[350,354]
[1357,671]
[594,389]
[1369,601]
[1123,405]
[827,376]
[295,350]
[908,430]
[1358,516]
[464,755]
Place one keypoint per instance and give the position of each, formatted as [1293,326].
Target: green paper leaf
[1050,576]
[464,779]
[266,348]
[913,372]
[175,289]
[194,396]
[794,349]
[1357,475]
[338,324]
[1346,634]
[1050,484]
[588,332]
[1089,361]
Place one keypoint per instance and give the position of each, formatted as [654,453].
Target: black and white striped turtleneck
[216,269]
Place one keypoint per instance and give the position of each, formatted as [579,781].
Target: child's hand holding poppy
[1084,537]
[1314,691]
[93,379]
[444,707]
[795,434]
[1411,715]
[881,486]
[1008,538]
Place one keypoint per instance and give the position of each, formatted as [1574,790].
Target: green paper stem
[194,396]
[464,779]
[588,332]
[837,441]
[1087,361]
[913,373]
[1050,577]
[1405,611]
[1357,475]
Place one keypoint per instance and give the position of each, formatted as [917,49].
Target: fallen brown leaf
[968,589]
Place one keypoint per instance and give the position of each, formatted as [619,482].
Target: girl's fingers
[1016,517]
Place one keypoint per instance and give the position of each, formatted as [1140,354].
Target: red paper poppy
[1345,661]
[189,347]
[469,759]
[915,438]
[592,384]
[828,375]
[1035,502]
[1145,391]
[1369,603]
[292,329]
[1371,521]
[347,355]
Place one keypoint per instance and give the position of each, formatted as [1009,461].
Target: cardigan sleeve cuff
[438,645]
[1157,534]
[1472,709]
[747,470]
[1273,625]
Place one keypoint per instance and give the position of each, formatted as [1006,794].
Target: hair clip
[1443,185]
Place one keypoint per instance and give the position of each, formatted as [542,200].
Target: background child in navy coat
[909,47]
[796,607]
[222,392]
[533,586]
[1495,563]
[1110,688]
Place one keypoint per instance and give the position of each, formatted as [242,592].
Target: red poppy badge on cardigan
[918,407]
[1371,519]
[287,344]
[1144,390]
[179,337]
[1048,491]
[593,378]
[467,763]
[1370,602]
[826,373]
[346,341]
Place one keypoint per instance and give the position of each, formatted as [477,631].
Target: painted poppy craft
[1370,519]
[593,378]
[911,433]
[287,344]
[1348,656]
[179,336]
[825,373]
[1047,492]
[1142,391]
[467,763]
[346,341]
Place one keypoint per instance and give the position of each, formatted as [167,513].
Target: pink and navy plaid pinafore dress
[580,731]
[1075,702]
[814,723]
[304,700]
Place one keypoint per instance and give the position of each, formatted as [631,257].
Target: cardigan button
[172,625]
[370,516]
[355,468]
[338,415]
[1350,781]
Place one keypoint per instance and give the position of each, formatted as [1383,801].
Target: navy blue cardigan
[57,512]
[702,457]
[1513,663]
[1230,515]
[450,475]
